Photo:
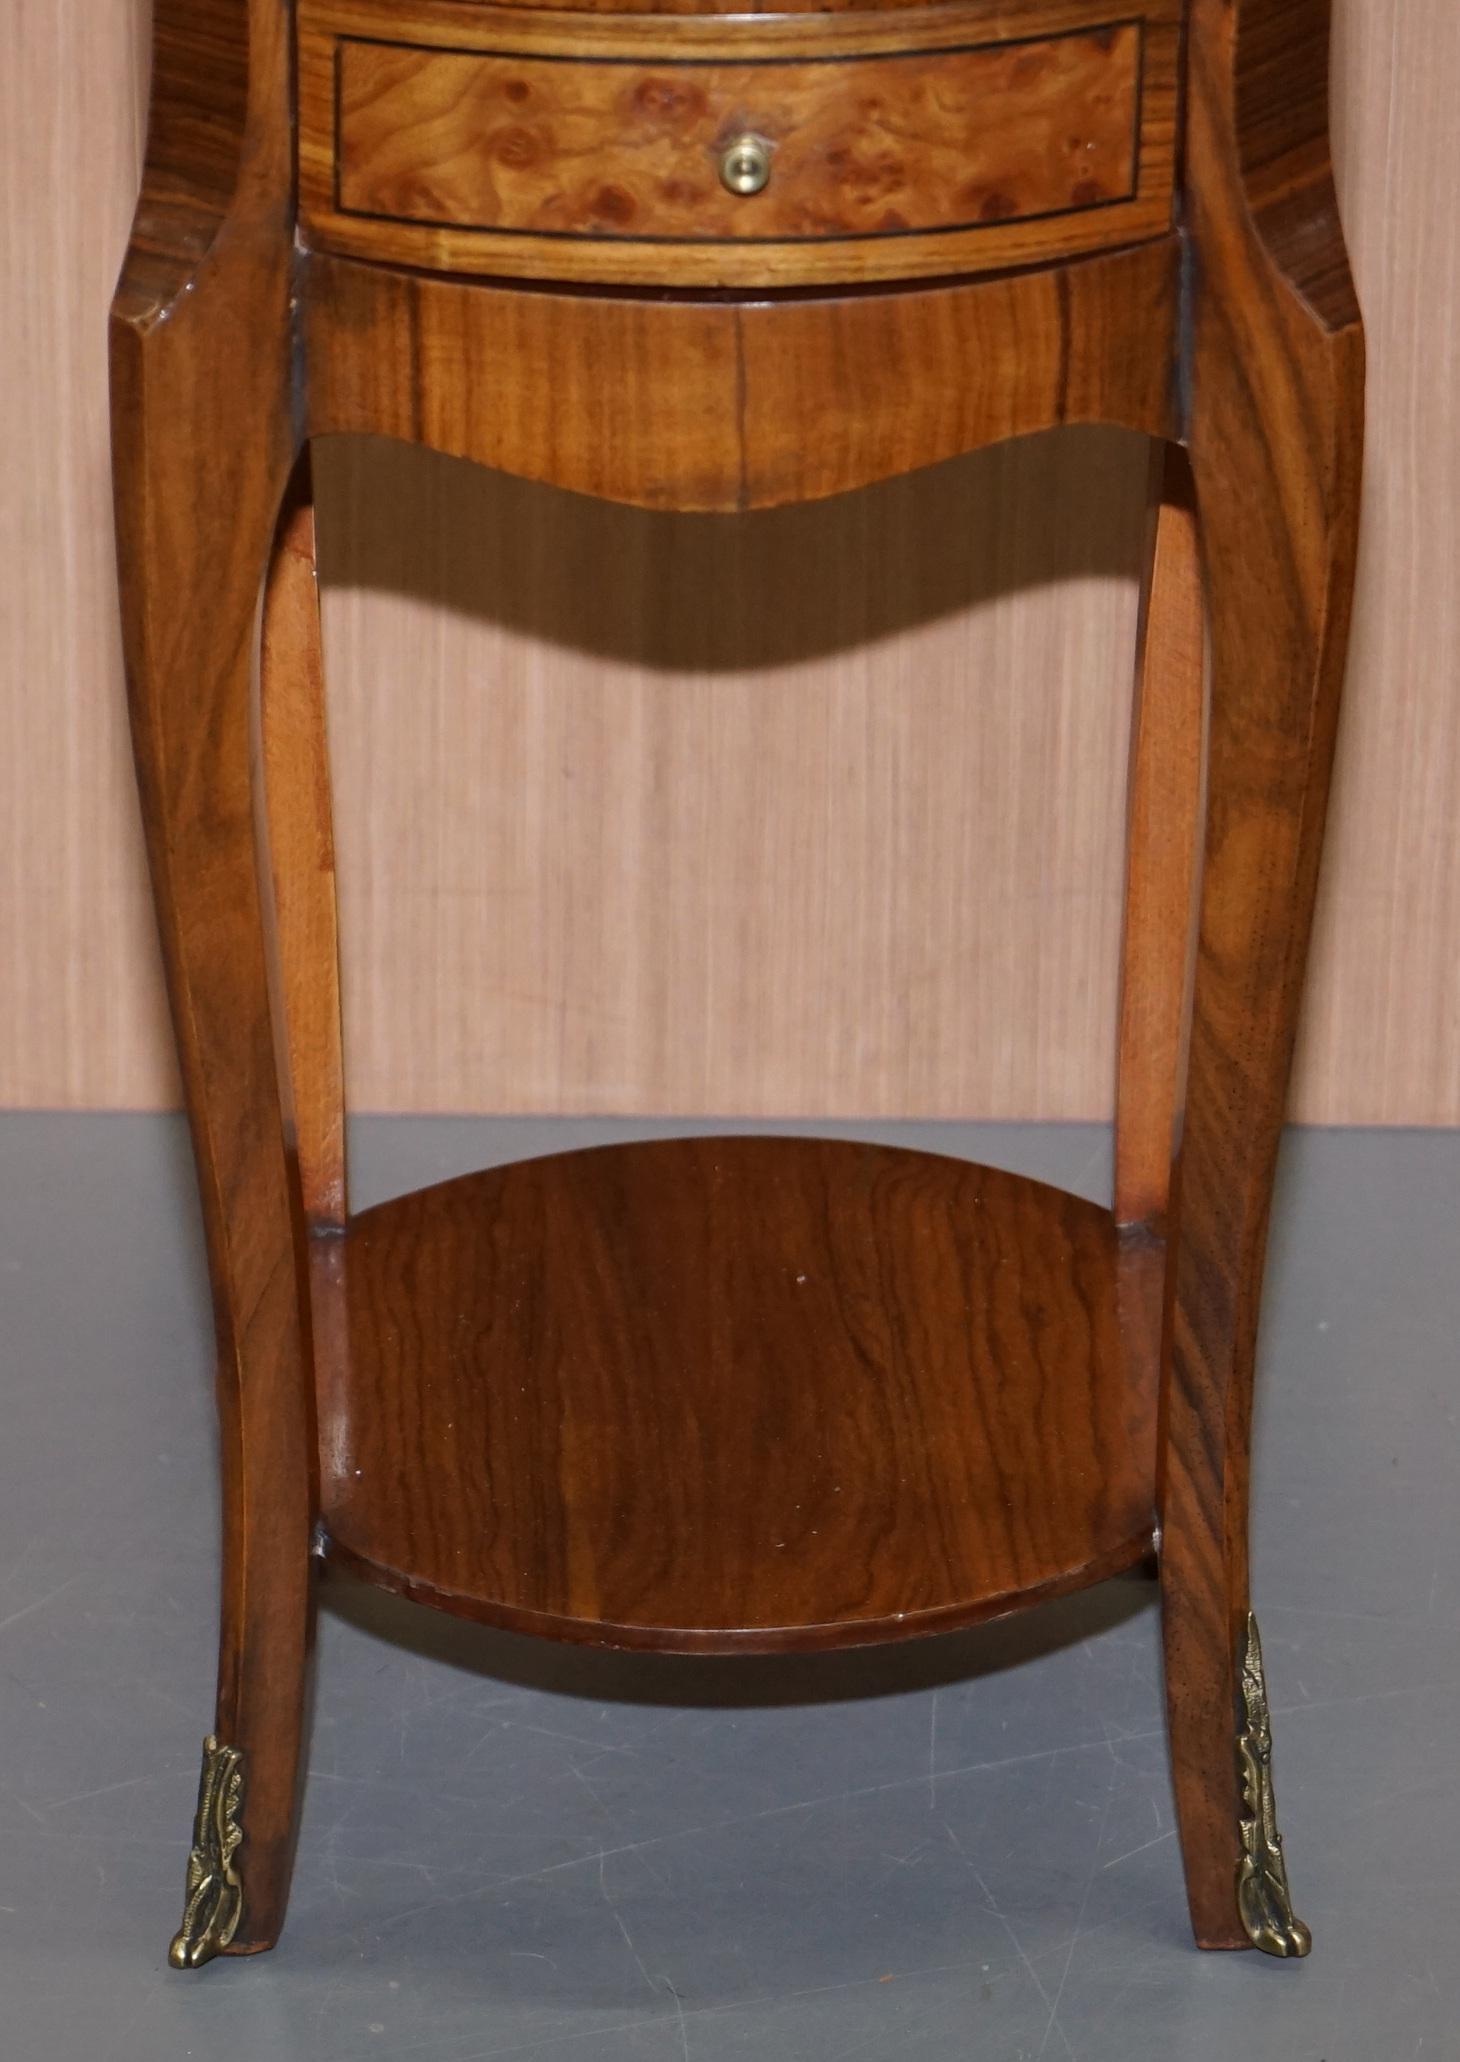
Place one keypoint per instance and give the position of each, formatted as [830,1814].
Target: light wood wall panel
[1381,1041]
[837,832]
[81,1018]
[811,812]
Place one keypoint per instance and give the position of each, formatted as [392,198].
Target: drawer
[749,151]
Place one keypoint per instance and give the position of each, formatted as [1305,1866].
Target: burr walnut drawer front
[696,150]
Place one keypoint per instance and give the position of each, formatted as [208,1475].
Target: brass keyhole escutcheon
[745,165]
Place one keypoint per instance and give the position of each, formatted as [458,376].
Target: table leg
[1275,442]
[203,448]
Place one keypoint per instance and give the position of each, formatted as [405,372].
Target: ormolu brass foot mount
[214,1892]
[1263,1897]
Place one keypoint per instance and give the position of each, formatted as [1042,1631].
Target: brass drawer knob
[745,165]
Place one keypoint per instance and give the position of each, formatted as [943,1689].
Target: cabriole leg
[203,449]
[1275,441]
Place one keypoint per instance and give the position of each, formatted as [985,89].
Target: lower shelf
[731,1393]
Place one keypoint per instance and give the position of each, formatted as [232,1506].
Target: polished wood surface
[1163,836]
[1275,443]
[601,148]
[299,835]
[729,1393]
[204,451]
[728,406]
[933,155]
[1162,843]
[917,887]
[581,1396]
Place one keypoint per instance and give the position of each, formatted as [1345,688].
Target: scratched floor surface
[962,1849]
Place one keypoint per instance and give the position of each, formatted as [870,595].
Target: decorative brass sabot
[214,1892]
[1263,1897]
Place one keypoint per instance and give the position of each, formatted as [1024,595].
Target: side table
[749,1394]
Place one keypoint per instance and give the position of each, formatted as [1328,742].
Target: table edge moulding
[738,1393]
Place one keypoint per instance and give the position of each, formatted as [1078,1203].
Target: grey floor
[963,1848]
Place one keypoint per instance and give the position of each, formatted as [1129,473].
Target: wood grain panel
[203,446]
[843,1366]
[516,757]
[696,407]
[871,153]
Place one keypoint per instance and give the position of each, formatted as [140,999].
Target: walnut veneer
[736,1394]
[922,140]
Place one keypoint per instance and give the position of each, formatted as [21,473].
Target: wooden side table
[729,1395]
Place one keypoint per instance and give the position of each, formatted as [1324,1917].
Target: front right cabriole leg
[1273,357]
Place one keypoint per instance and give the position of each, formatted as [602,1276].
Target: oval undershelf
[732,1393]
